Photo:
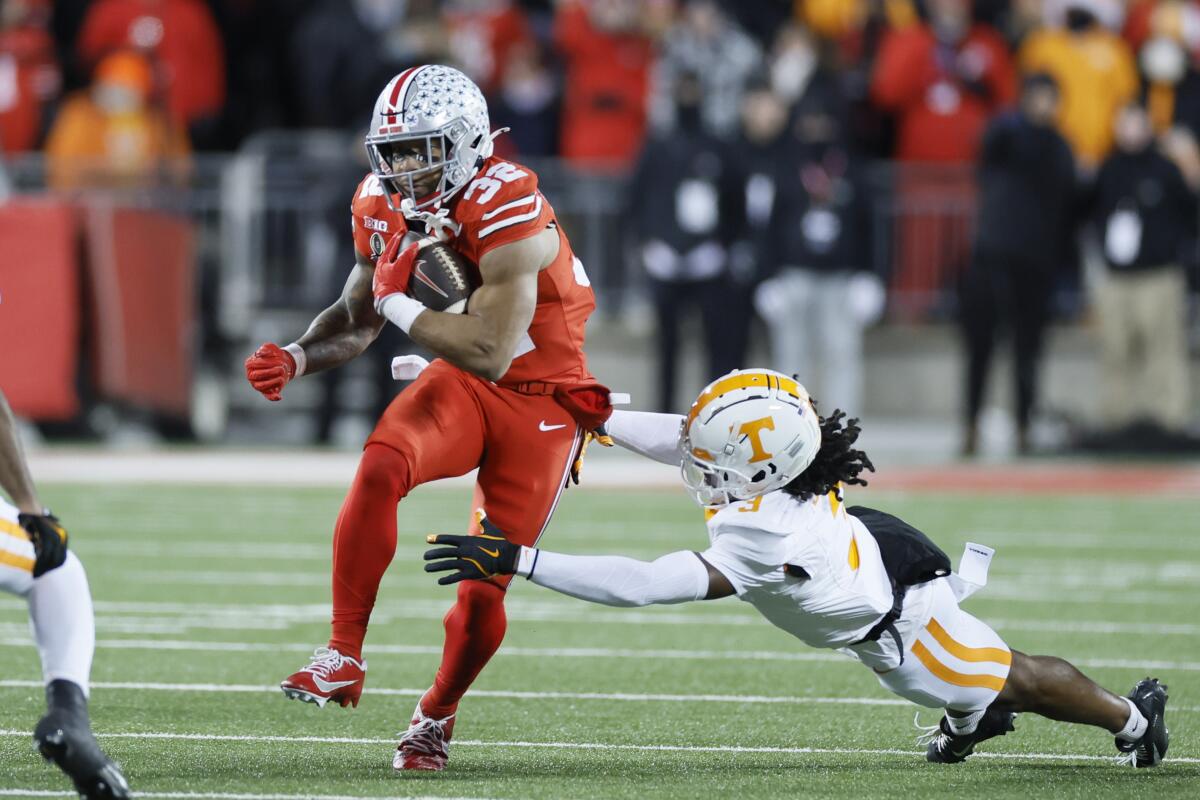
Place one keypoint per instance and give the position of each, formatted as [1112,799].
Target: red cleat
[328,676]
[426,743]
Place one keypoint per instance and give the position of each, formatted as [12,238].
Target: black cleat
[947,747]
[64,736]
[1150,697]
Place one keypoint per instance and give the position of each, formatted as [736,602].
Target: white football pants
[956,661]
[60,604]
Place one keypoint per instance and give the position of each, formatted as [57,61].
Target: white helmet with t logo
[748,433]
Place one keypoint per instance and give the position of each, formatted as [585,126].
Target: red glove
[393,269]
[269,369]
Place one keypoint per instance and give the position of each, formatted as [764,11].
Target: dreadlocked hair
[836,462]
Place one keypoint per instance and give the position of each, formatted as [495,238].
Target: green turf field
[207,597]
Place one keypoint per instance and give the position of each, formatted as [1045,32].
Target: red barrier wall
[39,309]
[141,274]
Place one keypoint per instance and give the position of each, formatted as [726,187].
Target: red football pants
[446,424]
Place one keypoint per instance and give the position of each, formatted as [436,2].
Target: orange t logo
[752,430]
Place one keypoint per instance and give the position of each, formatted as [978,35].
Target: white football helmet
[748,433]
[421,106]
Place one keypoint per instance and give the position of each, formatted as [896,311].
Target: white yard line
[120,616]
[433,650]
[1071,587]
[495,694]
[649,539]
[504,694]
[226,795]
[282,468]
[672,748]
[1096,627]
[558,652]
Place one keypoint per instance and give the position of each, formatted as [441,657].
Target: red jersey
[503,205]
[938,117]
[182,37]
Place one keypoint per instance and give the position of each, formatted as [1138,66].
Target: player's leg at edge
[1054,688]
[60,611]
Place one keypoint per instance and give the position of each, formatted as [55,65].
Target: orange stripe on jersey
[852,556]
[953,677]
[835,502]
[14,560]
[964,653]
[13,529]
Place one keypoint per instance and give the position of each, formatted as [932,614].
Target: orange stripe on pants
[964,653]
[953,677]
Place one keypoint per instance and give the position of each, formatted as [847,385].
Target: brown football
[442,278]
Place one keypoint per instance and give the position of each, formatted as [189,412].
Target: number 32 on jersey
[484,188]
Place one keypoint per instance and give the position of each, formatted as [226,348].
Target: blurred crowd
[588,80]
[746,126]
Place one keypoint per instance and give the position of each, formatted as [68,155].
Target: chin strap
[486,147]
[438,224]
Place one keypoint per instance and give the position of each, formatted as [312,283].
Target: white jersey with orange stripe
[814,571]
[16,553]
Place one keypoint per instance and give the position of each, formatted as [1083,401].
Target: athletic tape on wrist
[527,561]
[401,310]
[301,359]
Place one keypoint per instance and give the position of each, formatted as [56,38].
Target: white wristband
[401,310]
[526,561]
[301,359]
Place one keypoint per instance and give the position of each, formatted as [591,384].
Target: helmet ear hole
[758,476]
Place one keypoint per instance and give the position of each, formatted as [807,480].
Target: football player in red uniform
[511,381]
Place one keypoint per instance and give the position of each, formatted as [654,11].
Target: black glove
[472,557]
[49,541]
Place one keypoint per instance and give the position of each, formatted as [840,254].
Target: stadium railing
[273,234]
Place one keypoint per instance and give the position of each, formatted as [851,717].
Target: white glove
[776,298]
[661,260]
[865,297]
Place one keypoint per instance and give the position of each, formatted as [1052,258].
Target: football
[442,279]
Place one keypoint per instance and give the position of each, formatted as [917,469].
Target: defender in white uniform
[36,564]
[770,473]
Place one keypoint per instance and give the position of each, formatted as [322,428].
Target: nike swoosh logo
[329,686]
[492,553]
[420,275]
[542,426]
